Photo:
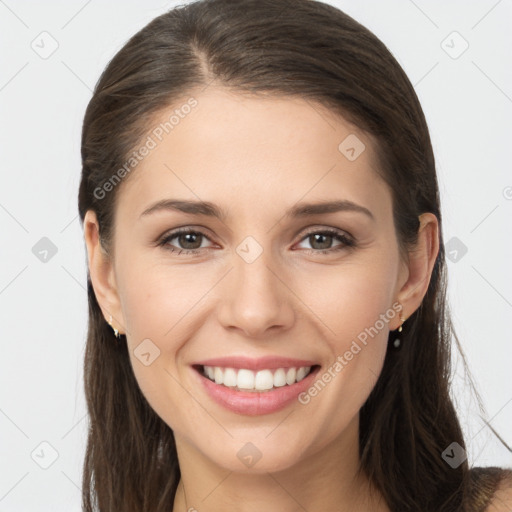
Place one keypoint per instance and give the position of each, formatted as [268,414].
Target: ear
[421,262]
[101,271]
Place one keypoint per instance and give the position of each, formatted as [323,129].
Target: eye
[189,241]
[322,240]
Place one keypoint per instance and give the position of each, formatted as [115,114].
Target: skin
[502,499]
[256,157]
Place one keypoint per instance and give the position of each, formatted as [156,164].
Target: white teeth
[262,380]
[279,378]
[301,373]
[245,379]
[230,378]
[291,375]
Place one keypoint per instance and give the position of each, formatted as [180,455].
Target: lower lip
[253,403]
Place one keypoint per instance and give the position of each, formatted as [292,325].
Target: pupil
[188,238]
[319,238]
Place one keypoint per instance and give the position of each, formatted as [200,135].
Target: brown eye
[185,241]
[320,241]
[189,240]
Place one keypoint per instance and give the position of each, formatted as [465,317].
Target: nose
[255,298]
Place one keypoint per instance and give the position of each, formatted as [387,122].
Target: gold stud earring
[116,332]
[401,320]
[397,342]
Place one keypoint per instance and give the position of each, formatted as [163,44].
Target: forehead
[256,151]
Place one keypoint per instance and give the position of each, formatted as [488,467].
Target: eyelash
[346,242]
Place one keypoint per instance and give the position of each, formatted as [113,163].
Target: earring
[397,341]
[116,332]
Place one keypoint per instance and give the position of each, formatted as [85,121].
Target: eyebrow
[299,210]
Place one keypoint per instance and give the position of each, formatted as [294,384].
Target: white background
[468,105]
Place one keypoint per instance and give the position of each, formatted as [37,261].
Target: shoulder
[501,500]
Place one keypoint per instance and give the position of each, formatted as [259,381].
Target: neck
[327,480]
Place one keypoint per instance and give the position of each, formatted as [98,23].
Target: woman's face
[270,285]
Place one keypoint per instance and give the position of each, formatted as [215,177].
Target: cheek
[356,314]
[157,304]
[156,299]
[355,307]
[350,298]
[163,307]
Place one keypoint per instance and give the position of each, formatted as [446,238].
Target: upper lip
[261,363]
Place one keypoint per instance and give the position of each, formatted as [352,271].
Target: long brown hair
[285,47]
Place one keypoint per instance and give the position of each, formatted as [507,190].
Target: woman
[268,326]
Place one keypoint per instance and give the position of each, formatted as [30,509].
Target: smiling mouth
[265,380]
